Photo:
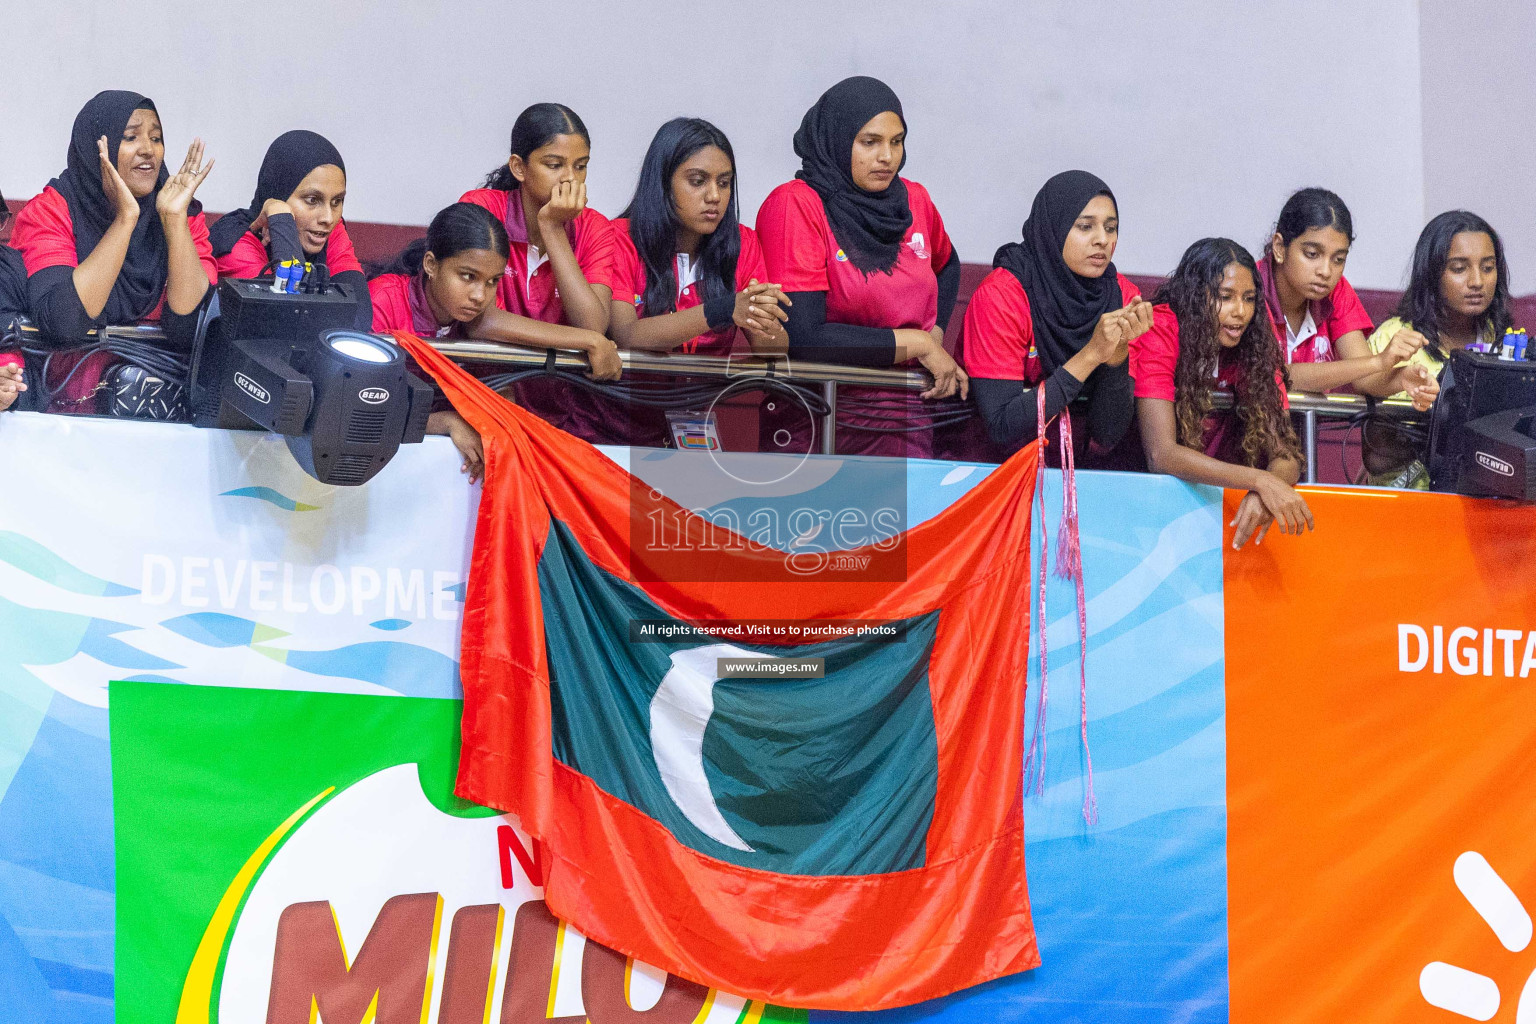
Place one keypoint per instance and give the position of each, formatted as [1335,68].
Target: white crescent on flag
[680,713]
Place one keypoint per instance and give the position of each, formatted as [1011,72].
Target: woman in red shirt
[687,274]
[863,255]
[1055,313]
[444,286]
[114,239]
[1205,337]
[1313,311]
[559,275]
[295,215]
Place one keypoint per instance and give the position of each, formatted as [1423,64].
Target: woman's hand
[464,437]
[1421,387]
[176,194]
[568,200]
[11,385]
[117,191]
[948,377]
[1116,330]
[760,308]
[602,356]
[1400,349]
[1284,503]
[271,208]
[467,440]
[1252,518]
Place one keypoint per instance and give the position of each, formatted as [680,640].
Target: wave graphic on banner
[1153,575]
[267,494]
[1131,915]
[56,874]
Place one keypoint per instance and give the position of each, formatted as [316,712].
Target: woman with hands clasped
[115,238]
[688,276]
[1208,335]
[1055,313]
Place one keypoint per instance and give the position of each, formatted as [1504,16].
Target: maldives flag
[852,840]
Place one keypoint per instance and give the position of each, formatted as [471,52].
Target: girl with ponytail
[558,280]
[444,286]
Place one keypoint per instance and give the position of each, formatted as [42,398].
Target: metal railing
[1309,408]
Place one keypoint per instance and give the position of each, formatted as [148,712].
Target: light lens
[364,350]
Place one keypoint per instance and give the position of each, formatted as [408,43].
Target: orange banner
[1381,758]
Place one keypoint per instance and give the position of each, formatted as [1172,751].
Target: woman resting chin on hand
[444,286]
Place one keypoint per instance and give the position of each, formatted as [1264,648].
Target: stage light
[366,403]
[290,362]
[1483,433]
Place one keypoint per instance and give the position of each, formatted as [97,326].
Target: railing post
[829,421]
[1309,428]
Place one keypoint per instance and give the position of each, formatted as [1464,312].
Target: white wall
[1479,88]
[1202,116]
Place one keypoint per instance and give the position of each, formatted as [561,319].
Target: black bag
[133,392]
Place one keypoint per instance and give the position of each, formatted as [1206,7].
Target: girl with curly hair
[1205,336]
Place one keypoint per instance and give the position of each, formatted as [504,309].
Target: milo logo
[378,907]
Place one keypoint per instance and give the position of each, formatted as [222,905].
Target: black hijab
[288,162]
[869,226]
[141,280]
[1064,307]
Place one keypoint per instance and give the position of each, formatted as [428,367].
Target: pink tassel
[1069,554]
[1037,738]
[1069,565]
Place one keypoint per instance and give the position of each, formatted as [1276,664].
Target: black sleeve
[1010,410]
[180,330]
[55,306]
[13,287]
[1111,403]
[811,337]
[949,289]
[283,238]
[355,280]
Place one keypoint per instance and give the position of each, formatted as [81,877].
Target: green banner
[297,858]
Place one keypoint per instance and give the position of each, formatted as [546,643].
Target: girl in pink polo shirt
[1206,337]
[688,276]
[1316,316]
[559,278]
[444,287]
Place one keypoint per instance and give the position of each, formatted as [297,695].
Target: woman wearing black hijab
[863,255]
[1055,313]
[115,238]
[115,234]
[295,215]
